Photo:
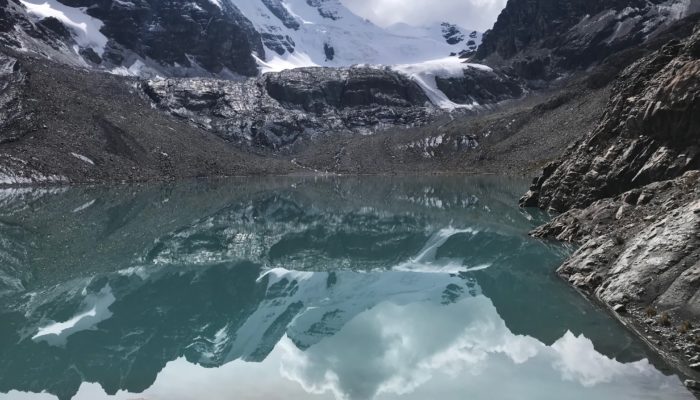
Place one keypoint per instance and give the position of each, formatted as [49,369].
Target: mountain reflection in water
[283,288]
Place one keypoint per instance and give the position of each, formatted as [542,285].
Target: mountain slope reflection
[352,289]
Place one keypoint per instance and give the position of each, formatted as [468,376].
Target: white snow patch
[85,28]
[96,310]
[425,73]
[354,39]
[277,274]
[426,260]
[83,158]
[85,206]
[289,61]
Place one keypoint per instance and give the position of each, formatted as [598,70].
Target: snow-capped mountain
[325,33]
[222,38]
[464,42]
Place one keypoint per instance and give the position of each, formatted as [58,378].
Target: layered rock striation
[543,39]
[629,192]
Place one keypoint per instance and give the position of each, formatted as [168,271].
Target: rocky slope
[629,190]
[279,109]
[649,133]
[543,39]
[67,125]
[226,39]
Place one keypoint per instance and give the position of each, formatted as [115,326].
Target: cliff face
[541,39]
[650,132]
[630,195]
[279,109]
[12,78]
[179,32]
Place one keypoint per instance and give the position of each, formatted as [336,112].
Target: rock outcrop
[181,32]
[278,109]
[478,86]
[640,256]
[542,39]
[145,37]
[630,193]
[12,79]
[650,132]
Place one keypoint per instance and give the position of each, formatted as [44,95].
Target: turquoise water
[300,288]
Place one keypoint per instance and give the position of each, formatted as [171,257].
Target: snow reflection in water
[331,289]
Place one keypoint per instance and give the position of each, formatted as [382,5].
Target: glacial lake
[301,288]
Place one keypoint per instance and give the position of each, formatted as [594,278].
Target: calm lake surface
[300,288]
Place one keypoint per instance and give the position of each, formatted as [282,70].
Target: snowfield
[422,53]
[353,40]
[86,29]
[424,74]
[301,33]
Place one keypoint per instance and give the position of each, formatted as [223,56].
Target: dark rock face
[12,79]
[280,44]
[329,51]
[17,31]
[543,38]
[480,87]
[279,11]
[325,8]
[649,133]
[180,32]
[451,33]
[90,55]
[278,109]
[56,26]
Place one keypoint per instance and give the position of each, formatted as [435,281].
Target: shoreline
[662,353]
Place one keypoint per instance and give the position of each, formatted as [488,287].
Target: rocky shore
[629,192]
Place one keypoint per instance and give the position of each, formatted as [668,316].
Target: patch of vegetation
[685,327]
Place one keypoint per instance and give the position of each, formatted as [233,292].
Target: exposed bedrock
[481,87]
[180,37]
[12,80]
[640,256]
[630,196]
[279,109]
[649,132]
[542,39]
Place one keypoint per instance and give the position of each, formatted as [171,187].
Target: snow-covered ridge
[293,34]
[325,33]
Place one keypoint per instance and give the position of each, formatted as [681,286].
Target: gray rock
[12,81]
[542,39]
[647,135]
[629,192]
[691,384]
[280,109]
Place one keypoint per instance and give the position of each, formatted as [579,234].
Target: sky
[471,14]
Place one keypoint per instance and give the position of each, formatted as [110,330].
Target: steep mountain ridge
[543,39]
[225,39]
